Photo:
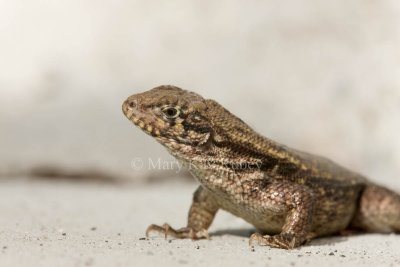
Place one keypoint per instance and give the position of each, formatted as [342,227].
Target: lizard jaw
[129,108]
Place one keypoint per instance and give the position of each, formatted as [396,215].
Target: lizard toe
[182,233]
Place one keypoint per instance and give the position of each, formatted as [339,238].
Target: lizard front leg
[201,215]
[298,203]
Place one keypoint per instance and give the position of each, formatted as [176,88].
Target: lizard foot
[284,240]
[185,232]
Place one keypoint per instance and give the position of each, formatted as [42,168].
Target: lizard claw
[285,241]
[181,233]
[255,237]
[157,228]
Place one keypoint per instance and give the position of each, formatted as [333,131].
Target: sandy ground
[83,224]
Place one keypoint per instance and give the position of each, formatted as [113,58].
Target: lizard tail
[378,211]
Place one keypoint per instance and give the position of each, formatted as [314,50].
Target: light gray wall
[319,76]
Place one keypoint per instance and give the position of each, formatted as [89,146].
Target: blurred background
[317,76]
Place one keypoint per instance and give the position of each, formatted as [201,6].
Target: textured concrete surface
[83,224]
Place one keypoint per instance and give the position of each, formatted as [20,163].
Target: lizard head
[192,127]
[176,118]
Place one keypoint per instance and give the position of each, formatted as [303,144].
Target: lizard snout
[129,106]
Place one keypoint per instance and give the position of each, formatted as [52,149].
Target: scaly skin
[288,195]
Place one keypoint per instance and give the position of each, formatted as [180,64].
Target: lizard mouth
[147,128]
[131,113]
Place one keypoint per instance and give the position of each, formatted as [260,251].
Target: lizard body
[288,195]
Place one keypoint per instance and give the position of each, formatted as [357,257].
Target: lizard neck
[235,139]
[234,147]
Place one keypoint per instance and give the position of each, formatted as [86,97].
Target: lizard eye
[170,112]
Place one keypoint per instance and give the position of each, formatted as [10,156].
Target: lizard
[290,196]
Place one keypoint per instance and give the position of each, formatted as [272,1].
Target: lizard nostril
[132,104]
